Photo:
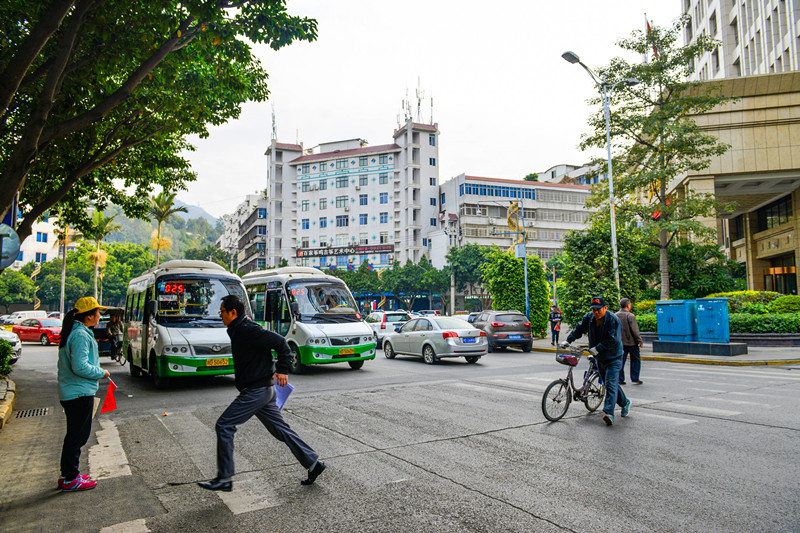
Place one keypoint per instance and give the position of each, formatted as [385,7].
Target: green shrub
[754,308]
[646,322]
[6,353]
[737,299]
[645,307]
[783,323]
[785,304]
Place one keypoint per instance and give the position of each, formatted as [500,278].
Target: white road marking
[702,389]
[699,410]
[107,458]
[739,402]
[519,384]
[134,526]
[722,372]
[493,390]
[546,380]
[754,394]
[674,420]
[251,490]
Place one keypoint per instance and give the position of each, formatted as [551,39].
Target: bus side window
[285,318]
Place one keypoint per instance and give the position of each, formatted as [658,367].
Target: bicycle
[560,393]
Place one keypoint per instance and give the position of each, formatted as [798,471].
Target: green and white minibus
[315,312]
[172,323]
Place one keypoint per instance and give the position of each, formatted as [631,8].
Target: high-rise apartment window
[362,199]
[384,198]
[304,187]
[363,238]
[432,139]
[323,222]
[441,200]
[323,203]
[341,261]
[383,159]
[433,201]
[384,259]
[323,185]
[41,237]
[432,161]
[262,213]
[341,181]
[305,205]
[433,222]
[362,219]
[305,168]
[363,180]
[40,257]
[383,179]
[341,201]
[342,221]
[323,241]
[304,242]
[262,230]
[384,237]
[341,239]
[432,181]
[384,217]
[304,224]
[341,163]
[362,161]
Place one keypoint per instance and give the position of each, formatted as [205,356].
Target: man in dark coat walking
[252,347]
[631,342]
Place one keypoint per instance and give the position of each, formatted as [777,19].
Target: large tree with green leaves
[656,139]
[15,288]
[95,93]
[101,226]
[162,208]
[465,263]
[404,282]
[504,276]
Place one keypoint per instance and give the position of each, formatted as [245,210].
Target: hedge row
[743,323]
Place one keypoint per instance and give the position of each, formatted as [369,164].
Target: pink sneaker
[83,477]
[79,484]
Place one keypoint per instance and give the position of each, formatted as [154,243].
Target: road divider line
[134,526]
[107,458]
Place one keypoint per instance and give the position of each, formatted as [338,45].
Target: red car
[44,330]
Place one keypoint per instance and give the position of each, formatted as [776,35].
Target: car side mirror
[397,328]
[294,307]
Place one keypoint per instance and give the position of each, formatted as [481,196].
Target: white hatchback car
[384,322]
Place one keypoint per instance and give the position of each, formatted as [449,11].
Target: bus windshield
[193,301]
[320,301]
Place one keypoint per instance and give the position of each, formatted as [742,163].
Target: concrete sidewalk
[757,355]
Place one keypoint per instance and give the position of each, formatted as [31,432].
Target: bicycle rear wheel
[595,393]
[556,400]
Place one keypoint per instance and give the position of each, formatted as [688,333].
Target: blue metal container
[677,320]
[712,320]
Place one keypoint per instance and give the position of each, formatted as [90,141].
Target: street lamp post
[605,88]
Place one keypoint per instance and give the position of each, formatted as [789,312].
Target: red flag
[109,403]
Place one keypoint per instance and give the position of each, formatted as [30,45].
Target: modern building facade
[757,36]
[474,211]
[345,202]
[249,221]
[41,245]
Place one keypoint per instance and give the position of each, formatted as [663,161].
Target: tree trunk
[63,271]
[158,244]
[663,264]
[96,268]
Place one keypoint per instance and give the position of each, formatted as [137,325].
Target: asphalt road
[447,447]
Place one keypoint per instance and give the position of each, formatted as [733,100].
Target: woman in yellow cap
[78,373]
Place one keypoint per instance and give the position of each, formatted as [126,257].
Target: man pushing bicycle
[605,343]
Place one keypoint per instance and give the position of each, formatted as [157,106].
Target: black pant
[79,427]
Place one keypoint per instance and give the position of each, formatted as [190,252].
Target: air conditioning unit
[314,188]
[347,208]
[358,187]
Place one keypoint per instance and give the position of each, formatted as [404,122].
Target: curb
[7,403]
[700,361]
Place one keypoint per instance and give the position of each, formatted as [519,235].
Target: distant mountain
[195,212]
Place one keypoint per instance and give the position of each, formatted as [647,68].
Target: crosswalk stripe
[677,421]
[251,490]
[702,389]
[698,409]
[107,458]
[134,526]
[493,390]
[739,402]
[735,372]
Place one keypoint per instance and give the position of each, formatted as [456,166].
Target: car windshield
[321,301]
[511,318]
[396,317]
[50,323]
[452,323]
[194,302]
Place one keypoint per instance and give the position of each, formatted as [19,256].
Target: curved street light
[604,88]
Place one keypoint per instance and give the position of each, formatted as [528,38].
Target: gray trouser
[259,401]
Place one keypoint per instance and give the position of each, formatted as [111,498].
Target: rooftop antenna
[420,97]
[431,110]
[274,124]
[297,136]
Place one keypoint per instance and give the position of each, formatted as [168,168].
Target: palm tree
[162,207]
[101,226]
[65,235]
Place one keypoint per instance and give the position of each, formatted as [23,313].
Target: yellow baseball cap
[87,303]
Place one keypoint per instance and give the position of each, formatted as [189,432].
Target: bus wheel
[159,382]
[355,365]
[135,370]
[295,366]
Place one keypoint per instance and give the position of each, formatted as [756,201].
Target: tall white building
[41,245]
[758,36]
[474,211]
[345,202]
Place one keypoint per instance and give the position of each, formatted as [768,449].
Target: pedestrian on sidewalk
[252,347]
[78,374]
[631,342]
[115,330]
[555,323]
[605,344]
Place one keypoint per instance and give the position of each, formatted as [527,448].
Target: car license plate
[514,337]
[468,340]
[217,362]
[347,351]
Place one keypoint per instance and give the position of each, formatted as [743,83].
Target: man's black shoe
[314,473]
[216,484]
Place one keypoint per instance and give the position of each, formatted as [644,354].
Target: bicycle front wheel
[595,393]
[556,400]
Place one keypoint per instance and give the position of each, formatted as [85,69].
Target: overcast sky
[506,103]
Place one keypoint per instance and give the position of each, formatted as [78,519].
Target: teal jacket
[78,365]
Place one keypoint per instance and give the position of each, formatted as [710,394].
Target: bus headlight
[176,349]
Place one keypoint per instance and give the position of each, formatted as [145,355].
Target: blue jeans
[554,331]
[258,401]
[614,395]
[636,362]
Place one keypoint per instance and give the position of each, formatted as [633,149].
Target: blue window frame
[433,201]
[323,222]
[262,213]
[304,224]
[384,259]
[384,198]
[362,219]
[262,230]
[40,257]
[433,222]
[342,221]
[362,199]
[441,200]
[384,217]
[432,161]
[341,260]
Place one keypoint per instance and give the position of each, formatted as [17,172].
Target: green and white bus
[315,312]
[172,323]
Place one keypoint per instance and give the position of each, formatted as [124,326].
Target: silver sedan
[433,338]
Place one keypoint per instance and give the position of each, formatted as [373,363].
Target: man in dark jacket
[631,342]
[605,343]
[252,347]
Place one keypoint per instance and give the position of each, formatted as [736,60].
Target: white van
[19,316]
